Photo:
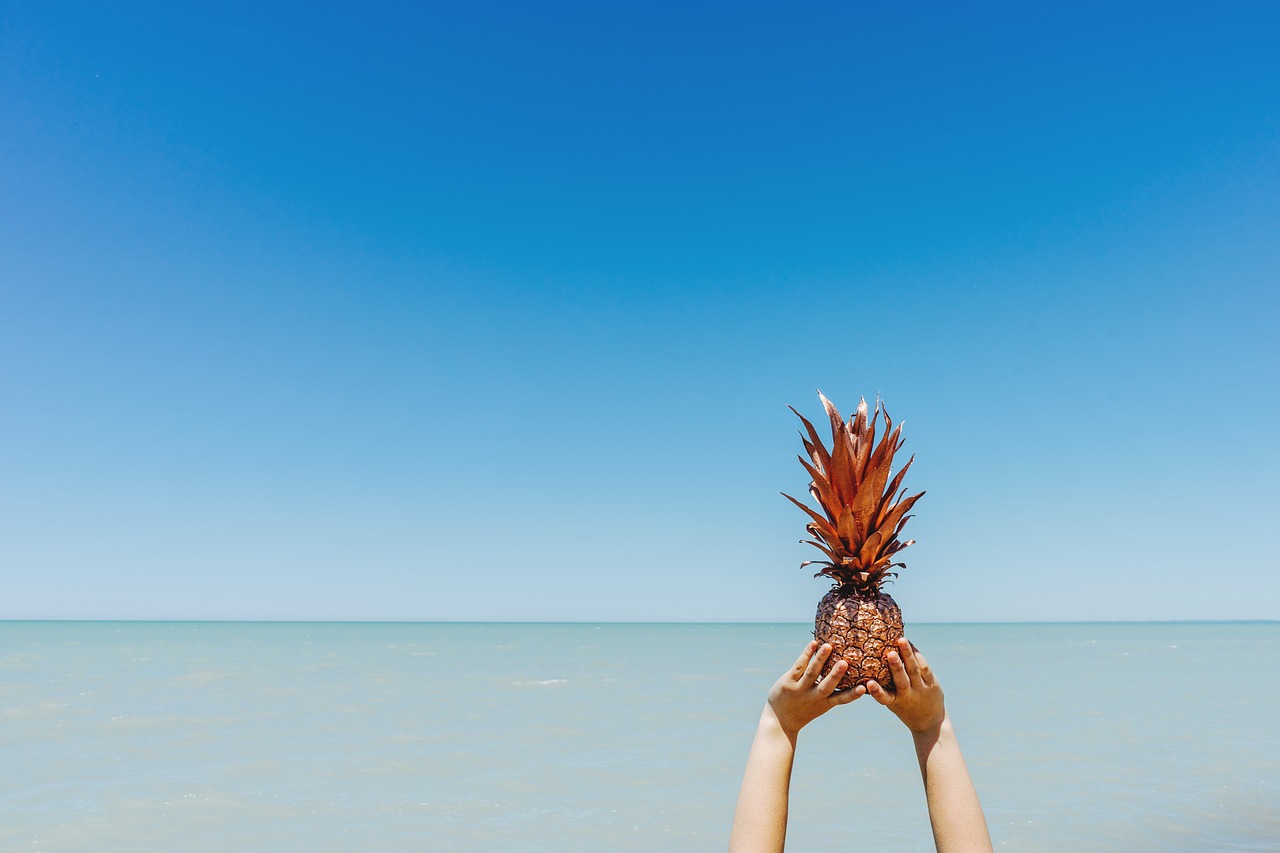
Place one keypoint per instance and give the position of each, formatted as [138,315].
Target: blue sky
[492,311]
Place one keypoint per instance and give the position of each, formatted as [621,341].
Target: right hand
[917,697]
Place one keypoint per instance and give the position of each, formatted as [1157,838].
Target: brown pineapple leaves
[864,509]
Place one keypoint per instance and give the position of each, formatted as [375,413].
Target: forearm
[954,810]
[760,822]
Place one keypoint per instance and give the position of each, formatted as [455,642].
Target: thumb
[878,693]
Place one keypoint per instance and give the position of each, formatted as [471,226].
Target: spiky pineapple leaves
[863,511]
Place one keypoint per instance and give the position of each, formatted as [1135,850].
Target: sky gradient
[493,311]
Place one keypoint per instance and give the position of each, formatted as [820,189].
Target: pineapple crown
[863,511]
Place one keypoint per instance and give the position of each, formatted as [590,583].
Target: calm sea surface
[398,737]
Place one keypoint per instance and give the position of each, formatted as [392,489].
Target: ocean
[139,736]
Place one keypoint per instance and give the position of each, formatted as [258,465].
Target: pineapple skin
[862,627]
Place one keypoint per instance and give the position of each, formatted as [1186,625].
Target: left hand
[798,698]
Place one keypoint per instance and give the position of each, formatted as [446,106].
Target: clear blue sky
[492,311]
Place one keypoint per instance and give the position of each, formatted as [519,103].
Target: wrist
[933,731]
[771,726]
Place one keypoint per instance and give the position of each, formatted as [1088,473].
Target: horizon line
[268,621]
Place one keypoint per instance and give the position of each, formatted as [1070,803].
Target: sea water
[579,737]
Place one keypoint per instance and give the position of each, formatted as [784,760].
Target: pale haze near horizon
[494,313]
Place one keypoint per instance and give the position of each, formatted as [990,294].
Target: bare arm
[798,698]
[954,810]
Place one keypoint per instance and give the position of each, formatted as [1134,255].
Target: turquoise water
[390,737]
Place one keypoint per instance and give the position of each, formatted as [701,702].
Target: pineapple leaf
[880,464]
[814,444]
[861,496]
[892,488]
[820,546]
[830,538]
[837,420]
[825,493]
[848,530]
[844,486]
[870,552]
[894,519]
[818,520]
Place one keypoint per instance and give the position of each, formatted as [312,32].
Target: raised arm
[954,811]
[798,698]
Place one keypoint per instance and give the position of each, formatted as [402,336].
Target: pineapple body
[862,626]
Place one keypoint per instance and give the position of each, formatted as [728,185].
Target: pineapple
[857,532]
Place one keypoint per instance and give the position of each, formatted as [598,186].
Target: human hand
[917,697]
[798,697]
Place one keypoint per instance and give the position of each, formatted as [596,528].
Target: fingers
[901,680]
[815,664]
[878,693]
[827,685]
[803,661]
[917,667]
[844,697]
[926,674]
[907,652]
